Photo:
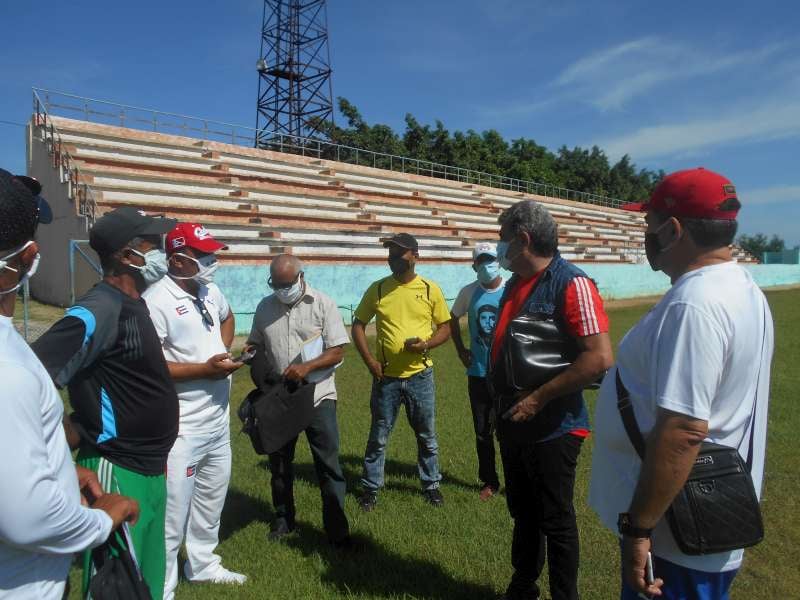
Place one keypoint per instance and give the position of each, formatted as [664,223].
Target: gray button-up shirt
[282,330]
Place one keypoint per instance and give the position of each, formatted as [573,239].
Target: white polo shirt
[186,338]
[42,522]
[704,351]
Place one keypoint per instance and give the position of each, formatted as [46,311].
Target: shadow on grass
[373,570]
[352,466]
[240,510]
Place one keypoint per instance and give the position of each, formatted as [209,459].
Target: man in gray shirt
[285,322]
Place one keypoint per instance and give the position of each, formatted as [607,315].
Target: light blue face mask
[503,260]
[155,265]
[487,272]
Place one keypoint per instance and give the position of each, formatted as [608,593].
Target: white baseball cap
[482,248]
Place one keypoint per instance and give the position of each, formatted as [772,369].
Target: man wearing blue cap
[479,301]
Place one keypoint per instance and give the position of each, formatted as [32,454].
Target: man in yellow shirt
[411,318]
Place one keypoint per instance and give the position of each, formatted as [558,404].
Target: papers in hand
[311,349]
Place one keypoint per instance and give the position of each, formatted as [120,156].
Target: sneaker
[368,501]
[279,530]
[222,576]
[433,497]
[487,492]
[521,590]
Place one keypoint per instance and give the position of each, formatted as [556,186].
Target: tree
[758,244]
[580,169]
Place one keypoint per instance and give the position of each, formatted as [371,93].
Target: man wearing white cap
[196,327]
[479,301]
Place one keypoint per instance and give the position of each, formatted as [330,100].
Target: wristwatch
[626,527]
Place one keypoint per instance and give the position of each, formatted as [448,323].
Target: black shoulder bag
[117,575]
[717,509]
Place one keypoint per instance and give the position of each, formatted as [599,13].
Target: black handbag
[536,351]
[717,509]
[117,576]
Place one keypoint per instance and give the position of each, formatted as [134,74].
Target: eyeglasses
[207,318]
[283,286]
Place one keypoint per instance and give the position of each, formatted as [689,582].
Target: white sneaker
[223,576]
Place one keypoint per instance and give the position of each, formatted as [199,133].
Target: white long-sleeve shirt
[42,522]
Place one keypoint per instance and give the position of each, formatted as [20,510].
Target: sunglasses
[283,286]
[207,318]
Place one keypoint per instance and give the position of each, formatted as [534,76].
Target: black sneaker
[368,501]
[433,497]
[521,590]
[279,530]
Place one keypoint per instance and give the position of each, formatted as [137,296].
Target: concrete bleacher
[261,203]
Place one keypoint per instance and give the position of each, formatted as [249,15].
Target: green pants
[150,491]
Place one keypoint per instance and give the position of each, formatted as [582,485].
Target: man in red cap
[196,326]
[695,368]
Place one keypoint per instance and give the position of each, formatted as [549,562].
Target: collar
[178,292]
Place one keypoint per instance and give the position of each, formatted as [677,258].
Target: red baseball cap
[693,193]
[192,235]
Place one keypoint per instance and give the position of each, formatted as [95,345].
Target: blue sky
[675,85]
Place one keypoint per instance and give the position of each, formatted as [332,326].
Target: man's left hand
[89,485]
[416,347]
[634,566]
[296,372]
[525,409]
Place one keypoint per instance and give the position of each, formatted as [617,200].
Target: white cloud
[776,119]
[611,77]
[770,195]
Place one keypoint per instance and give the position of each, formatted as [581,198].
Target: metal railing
[123,115]
[78,190]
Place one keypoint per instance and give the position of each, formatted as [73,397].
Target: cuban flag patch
[190,471]
[181,309]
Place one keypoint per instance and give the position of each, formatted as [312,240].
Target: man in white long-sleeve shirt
[42,519]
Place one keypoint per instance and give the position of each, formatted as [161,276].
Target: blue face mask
[487,272]
[502,249]
[155,265]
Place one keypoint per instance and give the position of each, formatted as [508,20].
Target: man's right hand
[376,369]
[119,508]
[466,357]
[220,366]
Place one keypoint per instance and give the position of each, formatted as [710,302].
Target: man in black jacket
[543,426]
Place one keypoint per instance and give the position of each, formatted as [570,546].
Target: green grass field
[462,550]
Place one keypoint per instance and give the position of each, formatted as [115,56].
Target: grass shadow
[240,510]
[371,569]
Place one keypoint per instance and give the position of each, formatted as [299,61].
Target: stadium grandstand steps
[261,202]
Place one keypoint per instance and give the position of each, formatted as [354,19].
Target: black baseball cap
[115,229]
[404,240]
[21,209]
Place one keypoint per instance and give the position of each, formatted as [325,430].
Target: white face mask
[155,265]
[206,267]
[291,295]
[27,275]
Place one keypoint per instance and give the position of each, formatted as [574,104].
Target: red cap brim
[207,245]
[635,206]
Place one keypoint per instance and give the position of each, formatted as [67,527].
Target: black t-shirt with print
[106,352]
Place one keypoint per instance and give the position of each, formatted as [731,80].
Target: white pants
[198,472]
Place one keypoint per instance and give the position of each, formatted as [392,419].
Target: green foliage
[577,169]
[758,244]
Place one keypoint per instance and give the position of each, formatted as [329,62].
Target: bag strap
[625,408]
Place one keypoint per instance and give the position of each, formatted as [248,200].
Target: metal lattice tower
[294,74]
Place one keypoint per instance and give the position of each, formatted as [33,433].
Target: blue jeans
[682,583]
[418,394]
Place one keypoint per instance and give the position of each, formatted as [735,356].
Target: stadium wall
[246,285]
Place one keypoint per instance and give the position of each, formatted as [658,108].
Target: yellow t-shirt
[402,311]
